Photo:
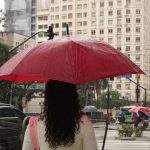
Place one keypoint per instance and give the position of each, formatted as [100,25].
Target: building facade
[124,24]
[13,39]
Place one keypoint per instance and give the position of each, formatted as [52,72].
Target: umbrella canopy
[140,108]
[68,59]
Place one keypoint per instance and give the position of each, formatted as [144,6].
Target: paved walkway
[112,143]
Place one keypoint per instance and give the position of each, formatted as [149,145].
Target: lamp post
[137,90]
[139,86]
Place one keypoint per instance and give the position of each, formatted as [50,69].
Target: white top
[84,140]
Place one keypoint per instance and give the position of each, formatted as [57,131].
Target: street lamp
[139,86]
[137,89]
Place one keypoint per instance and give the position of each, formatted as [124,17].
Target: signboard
[125,76]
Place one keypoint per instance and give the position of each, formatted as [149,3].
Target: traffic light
[50,33]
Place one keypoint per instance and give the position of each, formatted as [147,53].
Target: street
[112,143]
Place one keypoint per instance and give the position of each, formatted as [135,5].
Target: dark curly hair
[61,113]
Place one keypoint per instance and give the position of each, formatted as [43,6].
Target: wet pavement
[113,142]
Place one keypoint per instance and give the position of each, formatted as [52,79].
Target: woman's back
[84,140]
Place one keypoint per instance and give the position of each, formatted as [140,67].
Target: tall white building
[125,24]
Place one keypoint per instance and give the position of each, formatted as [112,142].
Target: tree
[89,92]
[114,100]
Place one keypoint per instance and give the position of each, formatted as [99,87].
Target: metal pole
[11,93]
[137,90]
[140,87]
[145,99]
[107,119]
[25,41]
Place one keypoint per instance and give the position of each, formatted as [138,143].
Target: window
[52,17]
[127,20]
[70,24]
[56,17]
[93,14]
[138,30]
[63,33]
[119,39]
[119,48]
[110,31]
[127,30]
[137,48]
[127,39]
[79,6]
[128,11]
[118,30]
[57,9]
[118,86]
[79,15]
[79,32]
[101,31]
[64,16]
[138,20]
[84,31]
[93,32]
[64,24]
[119,21]
[137,39]
[45,26]
[85,14]
[52,9]
[101,22]
[127,48]
[79,23]
[128,2]
[110,22]
[118,2]
[57,25]
[101,13]
[85,23]
[110,3]
[64,8]
[118,12]
[85,6]
[101,4]
[69,7]
[110,13]
[70,16]
[110,40]
[127,86]
[138,11]
[40,26]
[93,5]
[137,57]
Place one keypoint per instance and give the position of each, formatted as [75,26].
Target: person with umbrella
[62,126]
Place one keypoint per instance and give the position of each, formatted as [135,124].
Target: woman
[62,127]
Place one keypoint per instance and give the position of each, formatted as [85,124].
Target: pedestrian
[62,126]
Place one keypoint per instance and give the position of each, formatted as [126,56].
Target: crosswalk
[113,143]
[125,145]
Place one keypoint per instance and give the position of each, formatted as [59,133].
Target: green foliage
[138,132]
[126,130]
[114,100]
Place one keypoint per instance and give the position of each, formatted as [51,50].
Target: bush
[126,130]
[138,132]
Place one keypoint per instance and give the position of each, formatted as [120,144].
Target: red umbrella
[140,108]
[68,59]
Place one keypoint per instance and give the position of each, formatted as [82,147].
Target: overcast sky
[1,4]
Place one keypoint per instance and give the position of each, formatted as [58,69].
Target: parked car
[11,119]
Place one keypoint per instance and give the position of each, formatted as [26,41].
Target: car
[11,119]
